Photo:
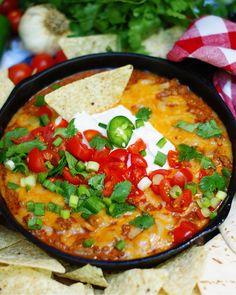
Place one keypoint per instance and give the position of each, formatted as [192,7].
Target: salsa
[93,193]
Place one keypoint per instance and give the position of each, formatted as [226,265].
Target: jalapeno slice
[119,131]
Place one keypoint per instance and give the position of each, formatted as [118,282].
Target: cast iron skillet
[111,60]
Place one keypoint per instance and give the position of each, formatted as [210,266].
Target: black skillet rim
[142,62]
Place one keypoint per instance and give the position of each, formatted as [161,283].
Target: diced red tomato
[184,231]
[7,6]
[60,57]
[24,138]
[51,154]
[137,147]
[62,124]
[178,179]
[14,18]
[180,204]
[101,156]
[119,155]
[135,174]
[172,158]
[44,133]
[156,189]
[44,110]
[79,149]
[187,173]
[19,72]
[35,161]
[138,161]
[109,185]
[199,214]
[165,190]
[76,180]
[136,196]
[42,61]
[202,173]
[90,133]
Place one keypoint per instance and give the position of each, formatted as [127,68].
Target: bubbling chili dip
[130,182]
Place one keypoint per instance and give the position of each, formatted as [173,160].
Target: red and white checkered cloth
[213,40]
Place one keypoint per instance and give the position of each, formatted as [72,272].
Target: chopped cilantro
[121,191]
[208,129]
[59,168]
[98,142]
[213,182]
[144,114]
[72,161]
[206,163]
[225,171]
[97,182]
[12,185]
[16,133]
[116,209]
[25,147]
[120,245]
[143,221]
[190,127]
[68,132]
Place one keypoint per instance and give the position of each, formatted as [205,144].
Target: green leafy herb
[120,245]
[25,147]
[98,142]
[116,209]
[121,191]
[66,190]
[225,171]
[16,133]
[88,243]
[12,185]
[72,161]
[213,182]
[39,102]
[68,132]
[190,127]
[97,182]
[143,221]
[59,168]
[143,114]
[206,163]
[208,129]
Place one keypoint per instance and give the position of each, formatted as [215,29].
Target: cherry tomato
[111,183]
[137,147]
[72,179]
[78,149]
[101,156]
[184,231]
[136,196]
[135,174]
[203,173]
[187,173]
[178,179]
[14,18]
[159,171]
[44,110]
[90,133]
[24,138]
[7,6]
[60,57]
[165,190]
[119,155]
[156,189]
[180,204]
[42,61]
[44,133]
[138,161]
[172,158]
[35,161]
[19,72]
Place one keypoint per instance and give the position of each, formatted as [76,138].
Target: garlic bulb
[41,27]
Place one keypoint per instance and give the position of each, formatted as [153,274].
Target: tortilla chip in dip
[8,237]
[136,281]
[6,86]
[87,274]
[24,253]
[93,94]
[228,228]
[184,271]
[218,276]
[78,46]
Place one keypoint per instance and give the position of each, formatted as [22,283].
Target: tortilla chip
[228,228]
[219,273]
[6,86]
[93,94]
[184,271]
[28,281]
[136,281]
[78,46]
[160,44]
[8,237]
[81,289]
[24,253]
[87,274]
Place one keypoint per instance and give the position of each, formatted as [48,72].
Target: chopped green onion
[208,194]
[213,215]
[9,164]
[143,153]
[215,202]
[221,195]
[102,125]
[44,120]
[86,215]
[12,185]
[161,143]
[65,214]
[49,185]
[58,209]
[49,165]
[39,209]
[28,181]
[160,159]
[175,191]
[42,176]
[30,206]
[57,141]
[88,243]
[35,223]
[39,102]
[83,190]
[80,166]
[205,212]
[205,202]
[225,171]
[92,166]
[93,204]
[51,207]
[192,186]
[55,86]
[73,201]
[27,188]
[120,245]
[107,201]
[139,123]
